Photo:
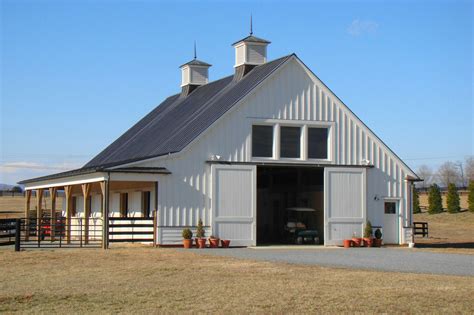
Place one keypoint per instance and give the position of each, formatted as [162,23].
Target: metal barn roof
[178,120]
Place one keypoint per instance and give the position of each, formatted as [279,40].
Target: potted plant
[225,243]
[368,234]
[200,233]
[378,238]
[187,238]
[356,241]
[213,241]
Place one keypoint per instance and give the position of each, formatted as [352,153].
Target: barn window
[89,205]
[146,204]
[317,143]
[124,205]
[262,141]
[390,207]
[73,206]
[290,139]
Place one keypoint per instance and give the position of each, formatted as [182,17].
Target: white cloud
[359,27]
[12,172]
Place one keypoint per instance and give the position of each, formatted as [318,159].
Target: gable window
[262,141]
[318,143]
[290,141]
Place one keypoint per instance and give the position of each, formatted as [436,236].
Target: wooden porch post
[52,194]
[104,188]
[27,214]
[39,211]
[86,189]
[67,193]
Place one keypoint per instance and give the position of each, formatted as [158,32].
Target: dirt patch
[147,280]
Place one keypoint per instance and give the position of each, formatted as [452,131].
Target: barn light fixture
[215,157]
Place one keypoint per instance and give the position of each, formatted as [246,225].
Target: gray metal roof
[252,39]
[196,62]
[179,120]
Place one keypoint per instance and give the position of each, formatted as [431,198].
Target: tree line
[459,173]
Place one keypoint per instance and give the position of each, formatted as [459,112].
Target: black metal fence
[8,229]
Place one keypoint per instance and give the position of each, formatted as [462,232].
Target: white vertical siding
[290,94]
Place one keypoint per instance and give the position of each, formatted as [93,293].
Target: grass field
[144,280]
[14,207]
[448,232]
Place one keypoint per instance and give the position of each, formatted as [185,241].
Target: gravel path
[384,259]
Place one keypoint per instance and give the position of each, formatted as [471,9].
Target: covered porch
[96,207]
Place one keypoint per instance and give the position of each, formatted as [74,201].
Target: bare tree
[448,173]
[462,178]
[469,168]
[425,172]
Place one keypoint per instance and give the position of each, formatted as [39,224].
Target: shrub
[187,234]
[452,199]
[200,233]
[434,200]
[416,202]
[378,234]
[470,196]
[368,230]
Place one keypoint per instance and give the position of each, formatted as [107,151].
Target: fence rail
[420,228]
[132,230]
[58,232]
[7,232]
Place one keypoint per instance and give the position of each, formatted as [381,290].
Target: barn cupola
[250,52]
[193,74]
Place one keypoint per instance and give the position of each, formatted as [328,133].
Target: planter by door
[188,243]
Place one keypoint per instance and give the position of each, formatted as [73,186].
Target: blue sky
[76,74]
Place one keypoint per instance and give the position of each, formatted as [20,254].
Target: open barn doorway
[290,205]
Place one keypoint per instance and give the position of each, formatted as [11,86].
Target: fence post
[17,235]
[155,226]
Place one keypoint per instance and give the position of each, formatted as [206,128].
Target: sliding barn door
[344,203]
[234,203]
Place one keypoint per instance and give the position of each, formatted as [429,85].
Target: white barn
[237,153]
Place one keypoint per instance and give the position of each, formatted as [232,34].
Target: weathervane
[195,54]
[251,27]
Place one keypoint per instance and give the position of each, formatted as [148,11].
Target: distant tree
[470,196]
[448,173]
[452,199]
[469,168]
[17,189]
[435,204]
[462,174]
[416,202]
[425,173]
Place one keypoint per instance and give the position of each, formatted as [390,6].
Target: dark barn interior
[286,197]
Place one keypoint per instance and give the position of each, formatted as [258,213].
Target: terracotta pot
[347,243]
[188,243]
[213,242]
[201,243]
[368,242]
[377,242]
[356,241]
[225,243]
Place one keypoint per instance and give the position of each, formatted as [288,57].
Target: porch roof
[91,170]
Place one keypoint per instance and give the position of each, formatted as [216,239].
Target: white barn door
[344,203]
[234,203]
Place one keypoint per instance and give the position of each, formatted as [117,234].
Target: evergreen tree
[470,196]
[416,202]
[452,199]
[435,204]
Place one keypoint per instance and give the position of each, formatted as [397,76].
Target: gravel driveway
[384,259]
